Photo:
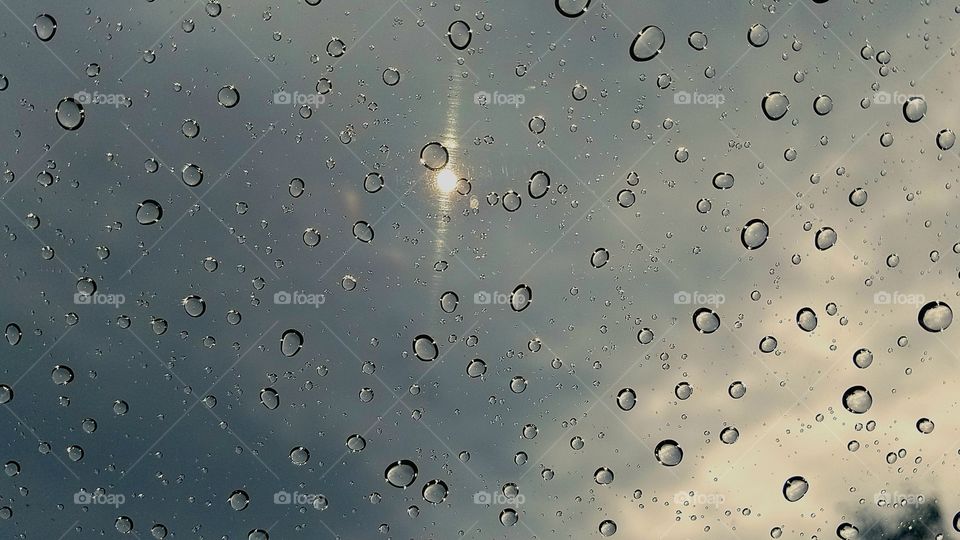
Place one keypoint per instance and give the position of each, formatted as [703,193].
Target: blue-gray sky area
[481,269]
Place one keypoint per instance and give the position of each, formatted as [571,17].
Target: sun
[445,181]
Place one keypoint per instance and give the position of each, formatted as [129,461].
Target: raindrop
[626,399]
[239,500]
[572,8]
[69,114]
[299,455]
[449,301]
[723,180]
[603,476]
[935,316]
[425,348]
[539,184]
[706,321]
[269,398]
[291,342]
[648,44]
[363,232]
[795,488]
[434,156]
[459,34]
[61,375]
[914,109]
[599,258]
[857,399]
[825,238]
[434,491]
[521,297]
[391,76]
[401,474]
[45,26]
[13,334]
[775,105]
[754,234]
[228,96]
[758,35]
[806,319]
[194,305]
[863,358]
[668,453]
[192,175]
[823,105]
[149,212]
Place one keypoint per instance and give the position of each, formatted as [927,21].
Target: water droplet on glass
[648,44]
[795,488]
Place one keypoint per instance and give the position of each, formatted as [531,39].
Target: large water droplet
[668,453]
[291,342]
[935,316]
[648,44]
[857,400]
[401,474]
[795,488]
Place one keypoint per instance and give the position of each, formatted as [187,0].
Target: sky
[259,253]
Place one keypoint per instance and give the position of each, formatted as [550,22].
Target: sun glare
[445,181]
